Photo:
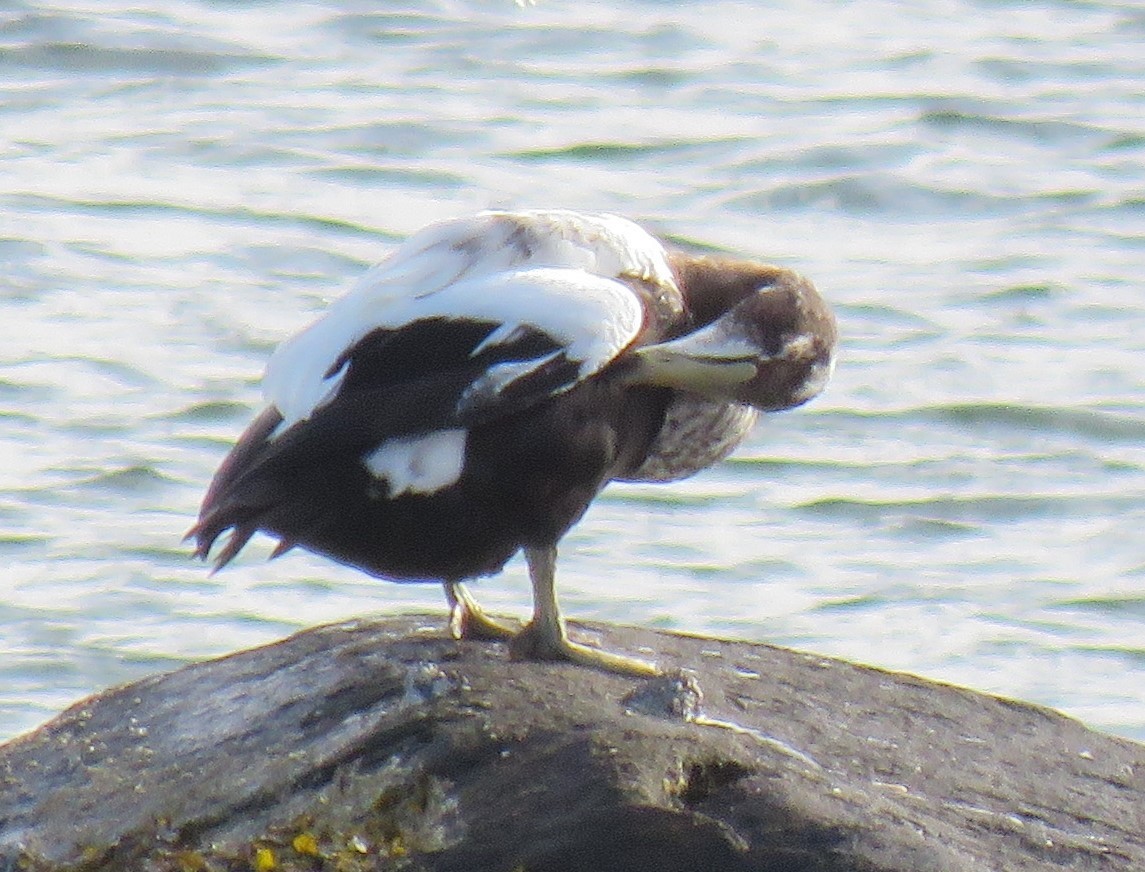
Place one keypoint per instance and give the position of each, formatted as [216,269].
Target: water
[182,186]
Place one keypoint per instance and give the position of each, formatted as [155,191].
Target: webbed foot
[467,620]
[538,642]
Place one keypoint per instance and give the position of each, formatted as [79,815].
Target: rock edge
[385,744]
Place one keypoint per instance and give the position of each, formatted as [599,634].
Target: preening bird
[474,392]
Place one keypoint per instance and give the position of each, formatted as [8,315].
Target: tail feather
[220,512]
[240,535]
[209,529]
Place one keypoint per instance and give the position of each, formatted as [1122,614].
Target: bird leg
[545,636]
[467,620]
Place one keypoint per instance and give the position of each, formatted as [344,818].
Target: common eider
[474,392]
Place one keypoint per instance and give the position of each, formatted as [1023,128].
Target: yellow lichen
[305,843]
[264,860]
[396,846]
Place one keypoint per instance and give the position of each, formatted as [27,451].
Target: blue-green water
[182,186]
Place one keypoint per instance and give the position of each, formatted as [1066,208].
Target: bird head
[769,340]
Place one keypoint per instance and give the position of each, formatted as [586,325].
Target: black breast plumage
[476,391]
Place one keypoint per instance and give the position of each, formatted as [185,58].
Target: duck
[473,393]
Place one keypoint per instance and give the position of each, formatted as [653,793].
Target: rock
[387,745]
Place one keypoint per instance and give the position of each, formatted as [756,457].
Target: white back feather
[556,271]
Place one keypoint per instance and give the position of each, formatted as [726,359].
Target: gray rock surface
[387,745]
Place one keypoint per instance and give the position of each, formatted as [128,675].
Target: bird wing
[520,336]
[565,274]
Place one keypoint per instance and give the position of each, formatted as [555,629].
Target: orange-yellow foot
[540,641]
[467,620]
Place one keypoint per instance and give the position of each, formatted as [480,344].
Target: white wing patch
[497,378]
[421,464]
[555,271]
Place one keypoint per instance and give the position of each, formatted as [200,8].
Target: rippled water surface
[181,186]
